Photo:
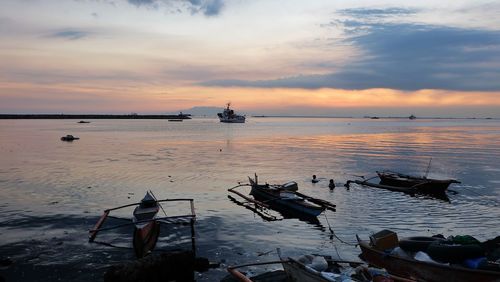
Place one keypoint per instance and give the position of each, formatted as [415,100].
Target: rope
[479,194]
[337,237]
[157,202]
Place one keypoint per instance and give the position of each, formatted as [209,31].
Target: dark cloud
[69,34]
[407,57]
[211,7]
[206,7]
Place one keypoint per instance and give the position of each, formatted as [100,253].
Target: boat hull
[145,238]
[299,207]
[228,116]
[423,271]
[232,120]
[297,272]
[422,185]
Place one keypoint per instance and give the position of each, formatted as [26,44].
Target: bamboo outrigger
[146,222]
[283,198]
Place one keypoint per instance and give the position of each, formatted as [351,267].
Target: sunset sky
[429,58]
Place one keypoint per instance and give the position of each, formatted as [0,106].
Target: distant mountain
[202,111]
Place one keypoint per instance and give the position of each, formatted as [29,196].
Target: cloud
[69,34]
[405,56]
[207,7]
[378,13]
[141,2]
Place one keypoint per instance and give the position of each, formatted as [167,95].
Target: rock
[174,265]
[6,262]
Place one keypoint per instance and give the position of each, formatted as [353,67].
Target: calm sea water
[52,192]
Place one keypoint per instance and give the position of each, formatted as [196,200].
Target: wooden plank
[95,230]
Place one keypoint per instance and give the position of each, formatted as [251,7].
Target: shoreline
[91,116]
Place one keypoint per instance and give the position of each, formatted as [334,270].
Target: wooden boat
[298,271]
[421,183]
[69,138]
[146,223]
[284,198]
[408,190]
[337,270]
[332,270]
[420,270]
[146,229]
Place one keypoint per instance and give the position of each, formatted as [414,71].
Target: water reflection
[49,187]
[284,214]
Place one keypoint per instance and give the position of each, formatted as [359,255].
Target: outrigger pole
[93,232]
[247,198]
[320,202]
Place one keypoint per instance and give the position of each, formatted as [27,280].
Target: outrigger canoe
[421,270]
[284,198]
[408,190]
[146,228]
[420,183]
[146,223]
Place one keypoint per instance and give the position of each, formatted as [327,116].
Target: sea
[52,192]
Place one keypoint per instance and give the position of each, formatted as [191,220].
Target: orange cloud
[133,97]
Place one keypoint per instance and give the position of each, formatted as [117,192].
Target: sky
[294,57]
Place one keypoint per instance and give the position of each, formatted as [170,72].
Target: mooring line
[335,235]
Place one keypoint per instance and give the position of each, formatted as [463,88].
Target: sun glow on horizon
[127,97]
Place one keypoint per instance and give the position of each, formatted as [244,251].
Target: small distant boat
[412,117]
[285,198]
[69,138]
[175,120]
[410,268]
[182,116]
[229,116]
[146,223]
[422,184]
[83,121]
[374,117]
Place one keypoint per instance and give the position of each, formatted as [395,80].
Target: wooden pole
[93,233]
[317,201]
[238,275]
[249,199]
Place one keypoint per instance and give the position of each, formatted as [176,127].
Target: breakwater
[91,116]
